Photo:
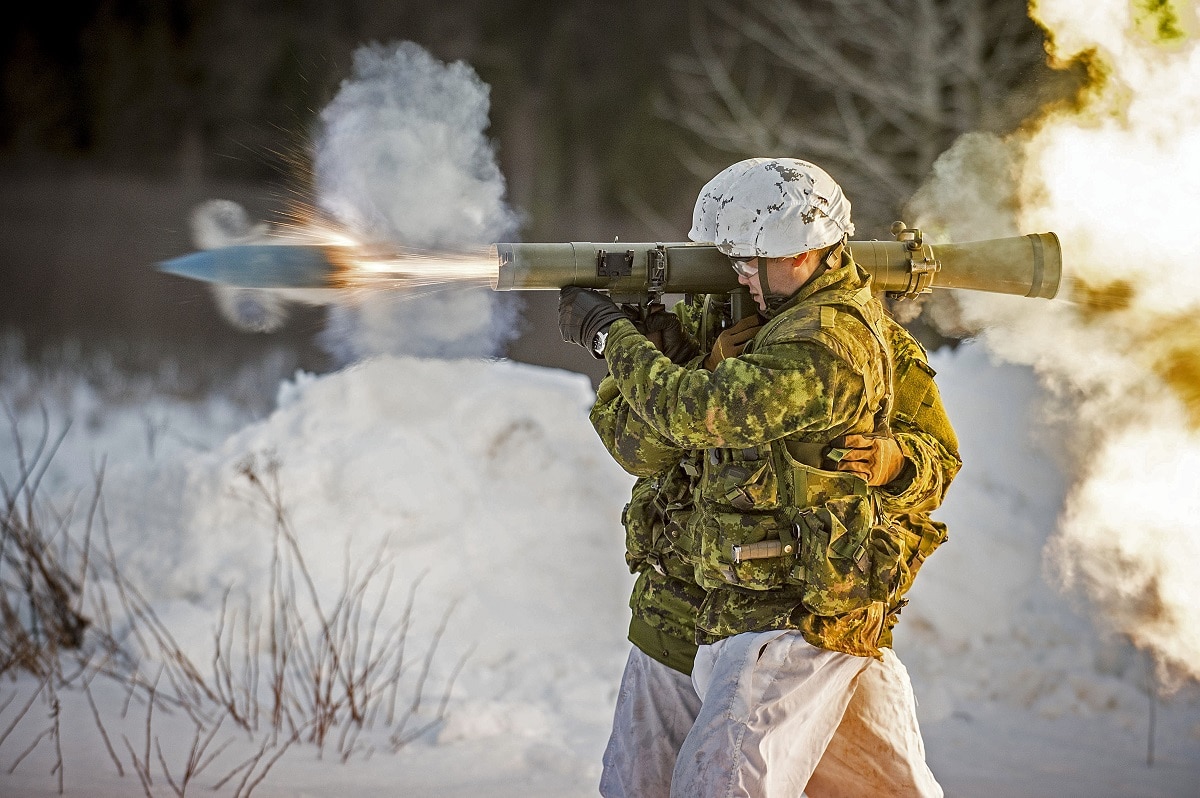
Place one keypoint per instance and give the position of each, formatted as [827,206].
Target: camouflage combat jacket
[775,539]
[666,601]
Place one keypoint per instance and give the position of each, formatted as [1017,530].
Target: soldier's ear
[801,261]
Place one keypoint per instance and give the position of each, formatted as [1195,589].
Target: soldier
[729,566]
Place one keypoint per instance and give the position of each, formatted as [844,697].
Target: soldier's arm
[636,447]
[928,471]
[746,401]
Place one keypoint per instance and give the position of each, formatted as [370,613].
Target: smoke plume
[402,159]
[1116,174]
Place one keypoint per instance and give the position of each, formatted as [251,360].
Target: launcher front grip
[1029,265]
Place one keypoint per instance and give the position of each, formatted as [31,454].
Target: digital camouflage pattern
[796,357]
[667,601]
[817,371]
[923,431]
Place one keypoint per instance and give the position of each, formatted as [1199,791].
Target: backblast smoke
[1116,174]
[408,189]
[402,159]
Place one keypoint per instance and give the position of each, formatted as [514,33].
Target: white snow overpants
[770,703]
[876,749]
[656,708]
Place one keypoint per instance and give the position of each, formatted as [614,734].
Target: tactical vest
[777,516]
[918,534]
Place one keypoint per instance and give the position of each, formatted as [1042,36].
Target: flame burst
[1116,174]
[415,270]
[360,265]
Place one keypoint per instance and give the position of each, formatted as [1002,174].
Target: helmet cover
[776,208]
[704,215]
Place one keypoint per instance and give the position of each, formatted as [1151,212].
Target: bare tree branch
[875,91]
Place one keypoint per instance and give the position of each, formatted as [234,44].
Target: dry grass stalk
[329,673]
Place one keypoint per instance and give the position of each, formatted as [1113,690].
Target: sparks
[362,264]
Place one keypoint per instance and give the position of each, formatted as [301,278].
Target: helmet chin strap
[830,261]
[762,280]
[771,301]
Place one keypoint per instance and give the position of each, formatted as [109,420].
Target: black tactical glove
[665,332]
[582,313]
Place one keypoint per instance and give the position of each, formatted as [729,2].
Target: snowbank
[484,481]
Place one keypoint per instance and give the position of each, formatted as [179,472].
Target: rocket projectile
[258,266]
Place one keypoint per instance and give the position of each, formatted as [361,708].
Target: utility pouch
[836,555]
[655,521]
[920,536]
[896,553]
[678,536]
[889,563]
[753,551]
[643,526]
[741,479]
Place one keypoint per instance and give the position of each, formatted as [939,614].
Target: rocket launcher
[1029,265]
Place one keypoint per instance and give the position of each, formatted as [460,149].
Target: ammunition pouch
[742,479]
[921,535]
[643,527]
[655,521]
[826,540]
[836,556]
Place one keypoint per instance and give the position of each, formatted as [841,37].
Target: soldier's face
[748,276]
[784,275]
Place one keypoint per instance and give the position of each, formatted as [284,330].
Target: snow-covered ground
[481,483]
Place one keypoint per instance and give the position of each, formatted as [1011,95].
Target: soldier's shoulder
[904,346]
[836,329]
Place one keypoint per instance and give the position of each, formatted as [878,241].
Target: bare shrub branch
[872,91]
[330,671]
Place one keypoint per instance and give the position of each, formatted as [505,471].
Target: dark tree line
[608,116]
[232,88]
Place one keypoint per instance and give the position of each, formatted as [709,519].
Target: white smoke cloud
[1116,176]
[402,159]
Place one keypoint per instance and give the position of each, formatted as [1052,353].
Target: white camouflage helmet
[779,207]
[715,192]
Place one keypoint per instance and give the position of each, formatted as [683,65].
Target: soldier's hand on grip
[877,460]
[731,342]
[665,332]
[582,313]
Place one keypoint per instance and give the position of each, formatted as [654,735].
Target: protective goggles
[742,266]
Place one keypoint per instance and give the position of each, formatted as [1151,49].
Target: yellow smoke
[1118,176]
[1115,172]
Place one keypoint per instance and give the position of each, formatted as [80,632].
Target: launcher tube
[1029,265]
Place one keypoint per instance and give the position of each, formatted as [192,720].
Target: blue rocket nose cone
[256,266]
